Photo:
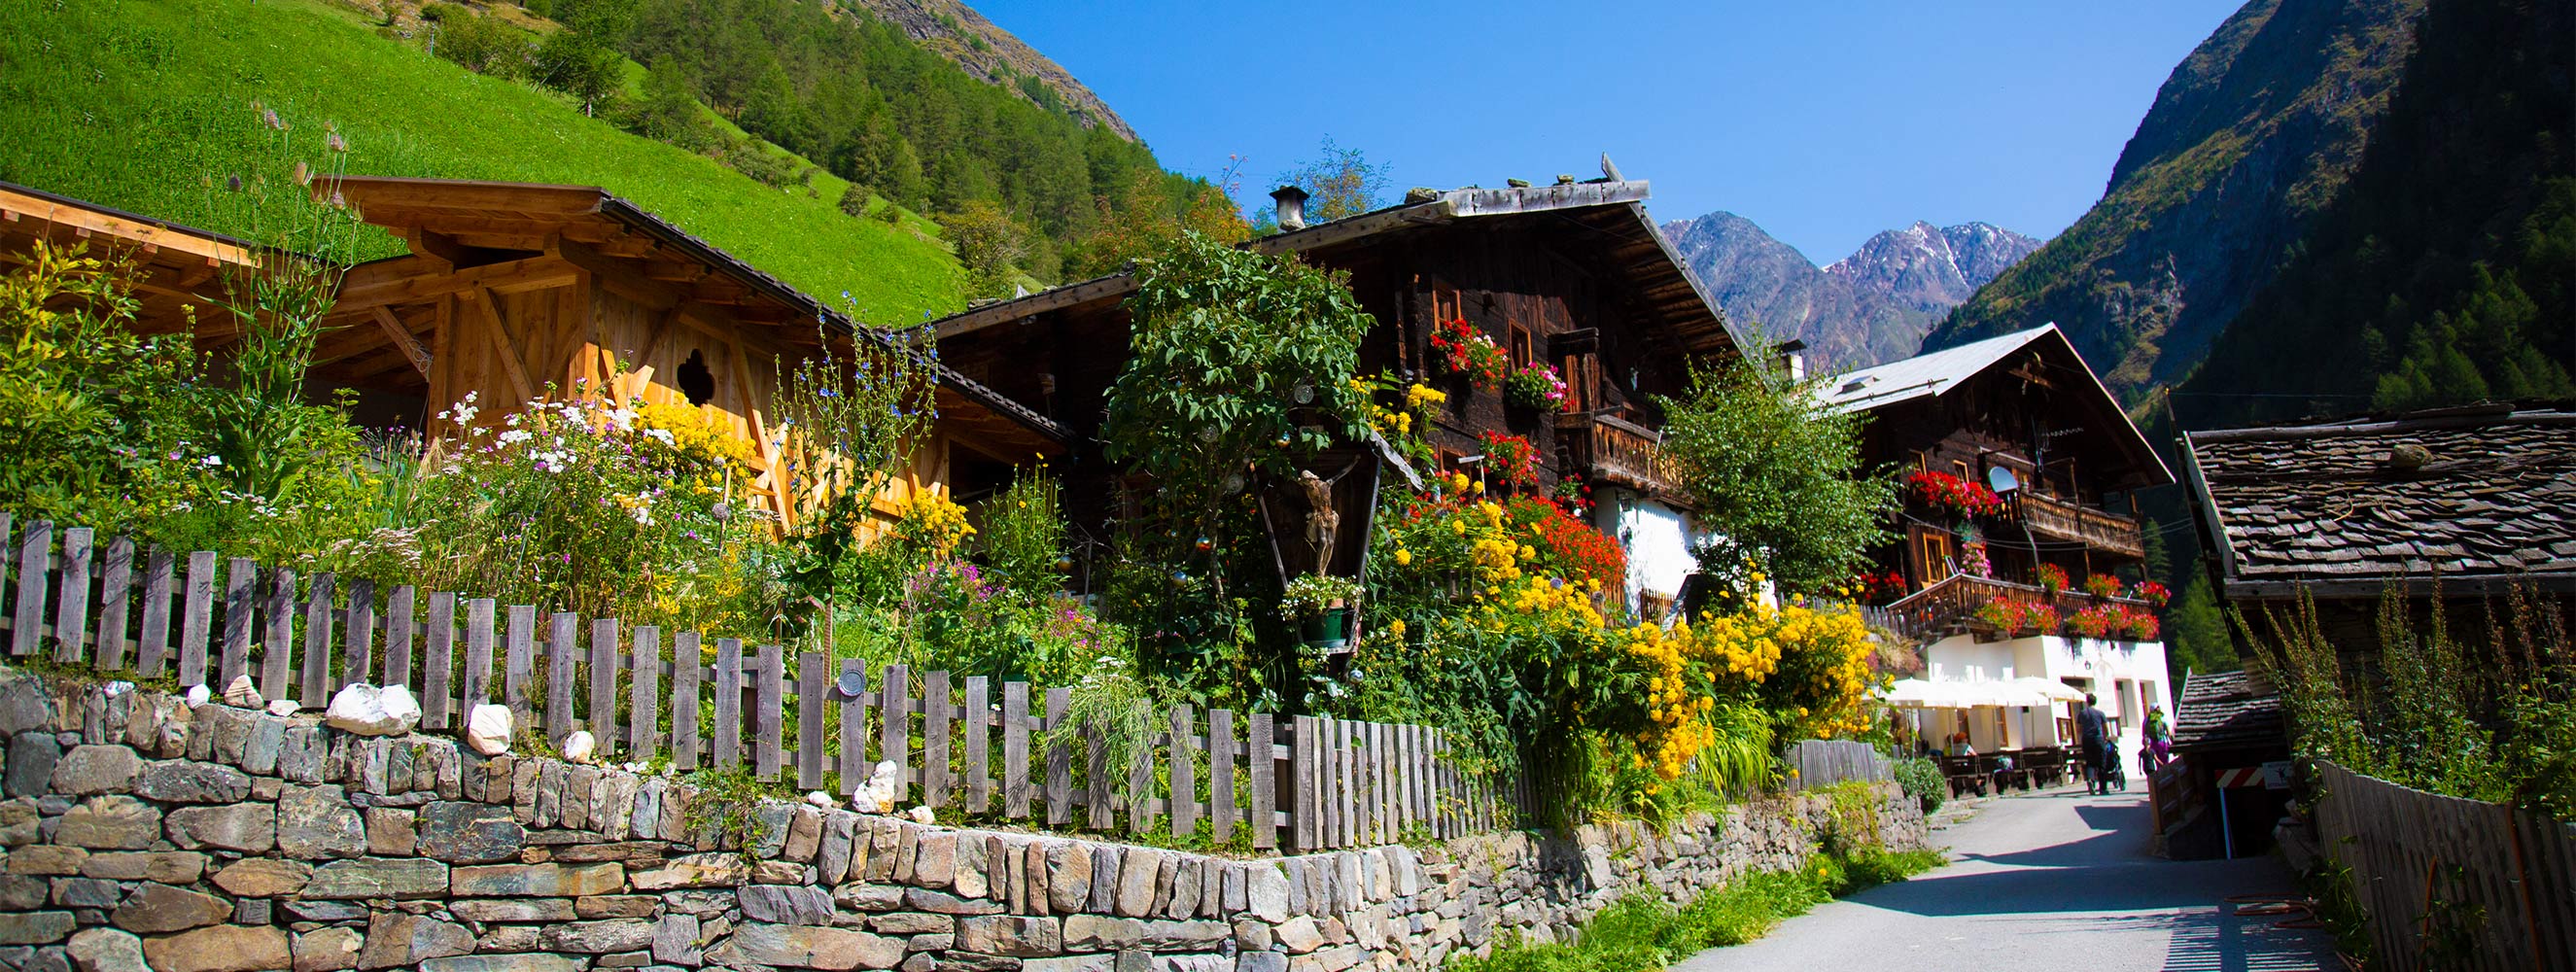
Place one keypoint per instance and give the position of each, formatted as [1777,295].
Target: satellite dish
[2002,480]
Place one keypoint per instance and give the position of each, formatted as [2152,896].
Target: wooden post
[563,654]
[728,704]
[1140,784]
[934,739]
[644,693]
[152,647]
[317,635]
[358,634]
[979,742]
[71,602]
[1015,750]
[197,618]
[115,603]
[770,715]
[1096,777]
[811,668]
[1261,765]
[1305,772]
[688,667]
[438,662]
[518,664]
[603,689]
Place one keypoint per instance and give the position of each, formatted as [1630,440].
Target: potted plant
[2052,579]
[2002,614]
[1461,349]
[1510,459]
[2139,625]
[1323,607]
[2040,619]
[2102,587]
[2153,593]
[1962,498]
[2094,622]
[1536,387]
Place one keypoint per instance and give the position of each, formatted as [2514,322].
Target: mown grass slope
[140,104]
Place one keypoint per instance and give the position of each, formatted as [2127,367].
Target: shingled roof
[2225,710]
[2343,507]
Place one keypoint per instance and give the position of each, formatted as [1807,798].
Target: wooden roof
[465,234]
[2334,508]
[2227,710]
[2041,355]
[176,270]
[1604,220]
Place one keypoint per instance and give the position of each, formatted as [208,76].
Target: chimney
[1793,359]
[1291,202]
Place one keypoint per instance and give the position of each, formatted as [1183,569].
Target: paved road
[2061,882]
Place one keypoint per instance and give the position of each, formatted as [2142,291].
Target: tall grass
[133,103]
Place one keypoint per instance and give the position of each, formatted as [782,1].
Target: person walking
[2159,748]
[2093,731]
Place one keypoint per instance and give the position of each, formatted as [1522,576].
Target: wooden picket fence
[1825,762]
[1301,784]
[2408,849]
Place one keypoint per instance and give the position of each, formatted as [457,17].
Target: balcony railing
[2064,520]
[1607,449]
[1944,607]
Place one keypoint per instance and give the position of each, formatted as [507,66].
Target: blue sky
[1823,122]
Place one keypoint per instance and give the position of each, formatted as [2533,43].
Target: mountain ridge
[1871,306]
[953,30]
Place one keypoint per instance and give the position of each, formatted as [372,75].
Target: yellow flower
[1403,558]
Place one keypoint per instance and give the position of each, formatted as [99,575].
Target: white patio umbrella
[2054,690]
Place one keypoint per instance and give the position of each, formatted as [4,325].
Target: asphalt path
[2057,881]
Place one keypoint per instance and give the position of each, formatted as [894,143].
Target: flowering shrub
[1510,459]
[1874,588]
[2153,593]
[1808,666]
[1573,495]
[2094,622]
[2103,586]
[1973,562]
[1951,494]
[1460,349]
[2052,578]
[2138,624]
[2001,613]
[1535,386]
[2042,618]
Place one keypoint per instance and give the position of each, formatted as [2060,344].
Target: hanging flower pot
[1329,631]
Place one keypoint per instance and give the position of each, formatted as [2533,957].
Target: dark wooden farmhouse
[1574,275]
[2018,420]
[2464,503]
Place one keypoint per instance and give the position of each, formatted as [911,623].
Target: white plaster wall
[2126,677]
[1656,537]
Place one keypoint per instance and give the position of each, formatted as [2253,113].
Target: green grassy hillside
[138,103]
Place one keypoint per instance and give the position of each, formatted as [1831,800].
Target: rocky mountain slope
[2248,140]
[958,33]
[1869,307]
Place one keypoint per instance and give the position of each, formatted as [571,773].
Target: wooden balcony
[2065,520]
[1944,607]
[1608,449]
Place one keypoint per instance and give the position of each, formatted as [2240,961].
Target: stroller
[2112,772]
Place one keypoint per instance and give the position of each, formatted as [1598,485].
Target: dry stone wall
[140,833]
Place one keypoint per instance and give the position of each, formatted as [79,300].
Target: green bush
[1923,781]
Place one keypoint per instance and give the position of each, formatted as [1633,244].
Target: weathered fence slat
[71,602]
[853,687]
[1221,753]
[1015,750]
[563,652]
[935,710]
[278,675]
[810,719]
[644,688]
[1185,788]
[478,653]
[1262,782]
[1059,774]
[240,591]
[196,618]
[438,659]
[518,663]
[402,626]
[1140,783]
[152,643]
[1095,744]
[35,548]
[317,636]
[1305,809]
[115,602]
[728,724]
[358,631]
[688,666]
[603,688]
[770,697]
[977,724]
[895,723]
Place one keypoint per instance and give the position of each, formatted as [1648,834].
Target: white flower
[211,461]
[515,436]
[664,435]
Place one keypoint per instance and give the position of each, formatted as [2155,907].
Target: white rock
[487,729]
[199,695]
[578,746]
[371,711]
[240,693]
[820,799]
[919,815]
[878,794]
[284,707]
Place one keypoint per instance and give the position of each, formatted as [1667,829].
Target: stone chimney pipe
[1291,203]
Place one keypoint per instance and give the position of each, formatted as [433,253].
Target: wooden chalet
[515,291]
[1574,274]
[2022,415]
[178,274]
[2464,503]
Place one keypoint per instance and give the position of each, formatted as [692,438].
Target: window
[1520,347]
